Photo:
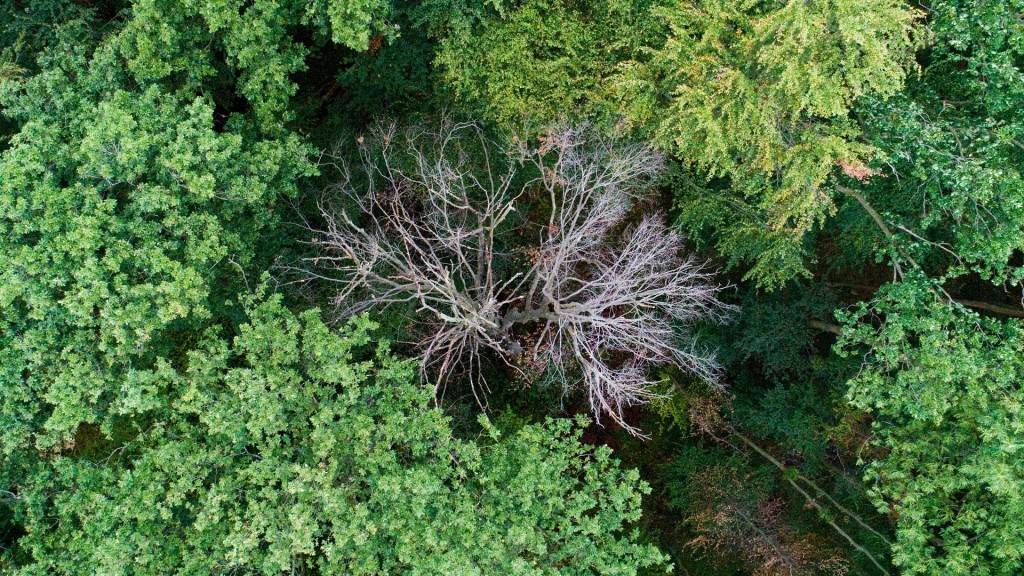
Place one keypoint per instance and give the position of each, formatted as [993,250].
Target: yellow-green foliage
[543,59]
[760,93]
[151,422]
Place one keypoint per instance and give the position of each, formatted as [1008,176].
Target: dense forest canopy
[537,287]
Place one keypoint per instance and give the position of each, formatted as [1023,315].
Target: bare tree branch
[598,299]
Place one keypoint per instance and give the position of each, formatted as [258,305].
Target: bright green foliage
[287,451]
[953,145]
[541,59]
[945,387]
[117,211]
[943,383]
[179,40]
[145,150]
[146,166]
[143,165]
[760,93]
[29,28]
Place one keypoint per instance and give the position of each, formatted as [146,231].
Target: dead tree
[597,298]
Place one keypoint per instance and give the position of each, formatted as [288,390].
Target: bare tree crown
[596,293]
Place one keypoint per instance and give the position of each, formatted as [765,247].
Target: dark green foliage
[953,146]
[737,516]
[935,209]
[31,28]
[942,382]
[865,157]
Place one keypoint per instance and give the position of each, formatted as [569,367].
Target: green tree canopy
[944,386]
[144,161]
[530,62]
[760,93]
[295,448]
[859,155]
[942,382]
[118,209]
